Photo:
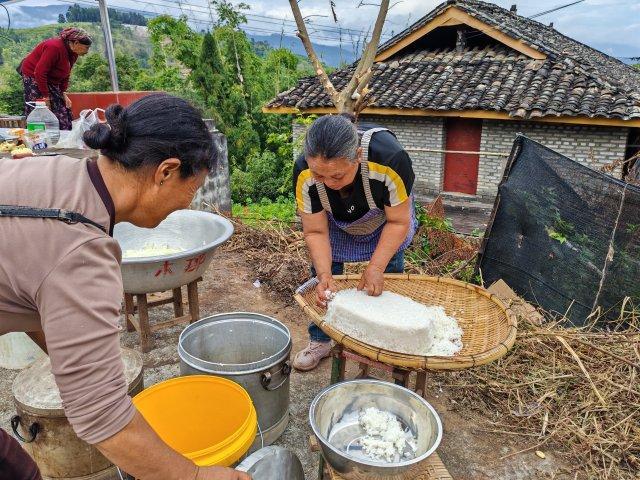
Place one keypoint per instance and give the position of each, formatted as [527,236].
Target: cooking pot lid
[35,388]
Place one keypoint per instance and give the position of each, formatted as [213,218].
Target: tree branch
[365,65]
[315,61]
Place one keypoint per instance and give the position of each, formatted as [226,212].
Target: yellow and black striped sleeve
[304,188]
[397,176]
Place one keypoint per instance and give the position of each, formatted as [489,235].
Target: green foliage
[91,73]
[61,18]
[426,220]
[282,209]
[11,91]
[261,178]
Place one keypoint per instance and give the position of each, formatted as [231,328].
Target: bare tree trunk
[351,98]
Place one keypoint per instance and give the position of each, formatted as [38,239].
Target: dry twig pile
[575,390]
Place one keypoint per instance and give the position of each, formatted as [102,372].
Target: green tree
[61,18]
[11,91]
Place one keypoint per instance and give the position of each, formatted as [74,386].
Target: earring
[161,182]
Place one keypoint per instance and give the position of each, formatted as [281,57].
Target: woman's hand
[221,473]
[326,282]
[67,101]
[372,280]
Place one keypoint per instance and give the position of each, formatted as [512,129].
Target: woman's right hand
[221,473]
[325,282]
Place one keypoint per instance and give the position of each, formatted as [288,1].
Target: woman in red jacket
[46,70]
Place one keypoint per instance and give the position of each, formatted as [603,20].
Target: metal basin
[272,463]
[199,233]
[329,417]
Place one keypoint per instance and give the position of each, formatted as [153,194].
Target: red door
[461,169]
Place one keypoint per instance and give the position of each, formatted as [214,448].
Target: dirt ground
[468,450]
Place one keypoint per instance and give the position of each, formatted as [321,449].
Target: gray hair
[331,137]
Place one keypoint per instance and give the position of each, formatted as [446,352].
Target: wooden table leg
[143,318]
[401,377]
[129,309]
[338,365]
[421,383]
[177,302]
[194,306]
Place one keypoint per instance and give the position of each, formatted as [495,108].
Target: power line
[555,9]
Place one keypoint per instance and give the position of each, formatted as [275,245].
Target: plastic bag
[73,138]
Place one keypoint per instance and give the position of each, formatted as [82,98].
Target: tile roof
[574,79]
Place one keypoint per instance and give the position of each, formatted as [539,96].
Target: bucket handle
[33,429]
[265,380]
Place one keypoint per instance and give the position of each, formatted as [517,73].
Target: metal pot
[252,350]
[46,433]
[330,418]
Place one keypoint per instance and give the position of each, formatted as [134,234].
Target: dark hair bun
[111,135]
[97,137]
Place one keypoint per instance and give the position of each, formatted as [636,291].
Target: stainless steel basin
[199,233]
[337,435]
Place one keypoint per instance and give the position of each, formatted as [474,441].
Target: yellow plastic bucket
[210,420]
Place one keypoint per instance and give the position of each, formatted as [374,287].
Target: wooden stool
[142,305]
[401,376]
[431,469]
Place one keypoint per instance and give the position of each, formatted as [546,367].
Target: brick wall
[591,145]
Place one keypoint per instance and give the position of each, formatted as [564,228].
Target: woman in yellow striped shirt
[353,192]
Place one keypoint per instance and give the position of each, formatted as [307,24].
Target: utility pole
[108,40]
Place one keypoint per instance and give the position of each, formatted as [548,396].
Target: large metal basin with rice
[251,349]
[198,233]
[333,418]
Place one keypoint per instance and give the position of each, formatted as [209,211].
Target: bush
[11,92]
[261,178]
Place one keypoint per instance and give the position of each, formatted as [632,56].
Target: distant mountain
[330,55]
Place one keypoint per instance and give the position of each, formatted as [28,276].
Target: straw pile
[571,390]
[277,253]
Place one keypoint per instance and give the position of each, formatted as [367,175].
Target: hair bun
[116,117]
[111,135]
[98,136]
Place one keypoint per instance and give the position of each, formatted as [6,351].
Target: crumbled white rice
[385,439]
[395,322]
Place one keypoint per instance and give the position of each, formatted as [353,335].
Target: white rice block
[394,322]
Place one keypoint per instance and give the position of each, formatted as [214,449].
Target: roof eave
[480,114]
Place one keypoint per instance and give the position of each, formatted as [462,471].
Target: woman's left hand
[67,101]
[372,280]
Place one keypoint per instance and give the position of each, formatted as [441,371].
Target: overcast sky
[612,26]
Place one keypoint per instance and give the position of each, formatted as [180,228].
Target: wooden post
[129,309]
[194,306]
[143,318]
[178,311]
[421,383]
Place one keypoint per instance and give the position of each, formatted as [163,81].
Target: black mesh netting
[564,236]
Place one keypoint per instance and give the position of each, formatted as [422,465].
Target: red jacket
[50,62]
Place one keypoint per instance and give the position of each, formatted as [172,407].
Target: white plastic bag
[73,138]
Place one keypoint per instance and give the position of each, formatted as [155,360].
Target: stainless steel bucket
[251,349]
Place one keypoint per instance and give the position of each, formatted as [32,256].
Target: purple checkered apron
[356,241]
